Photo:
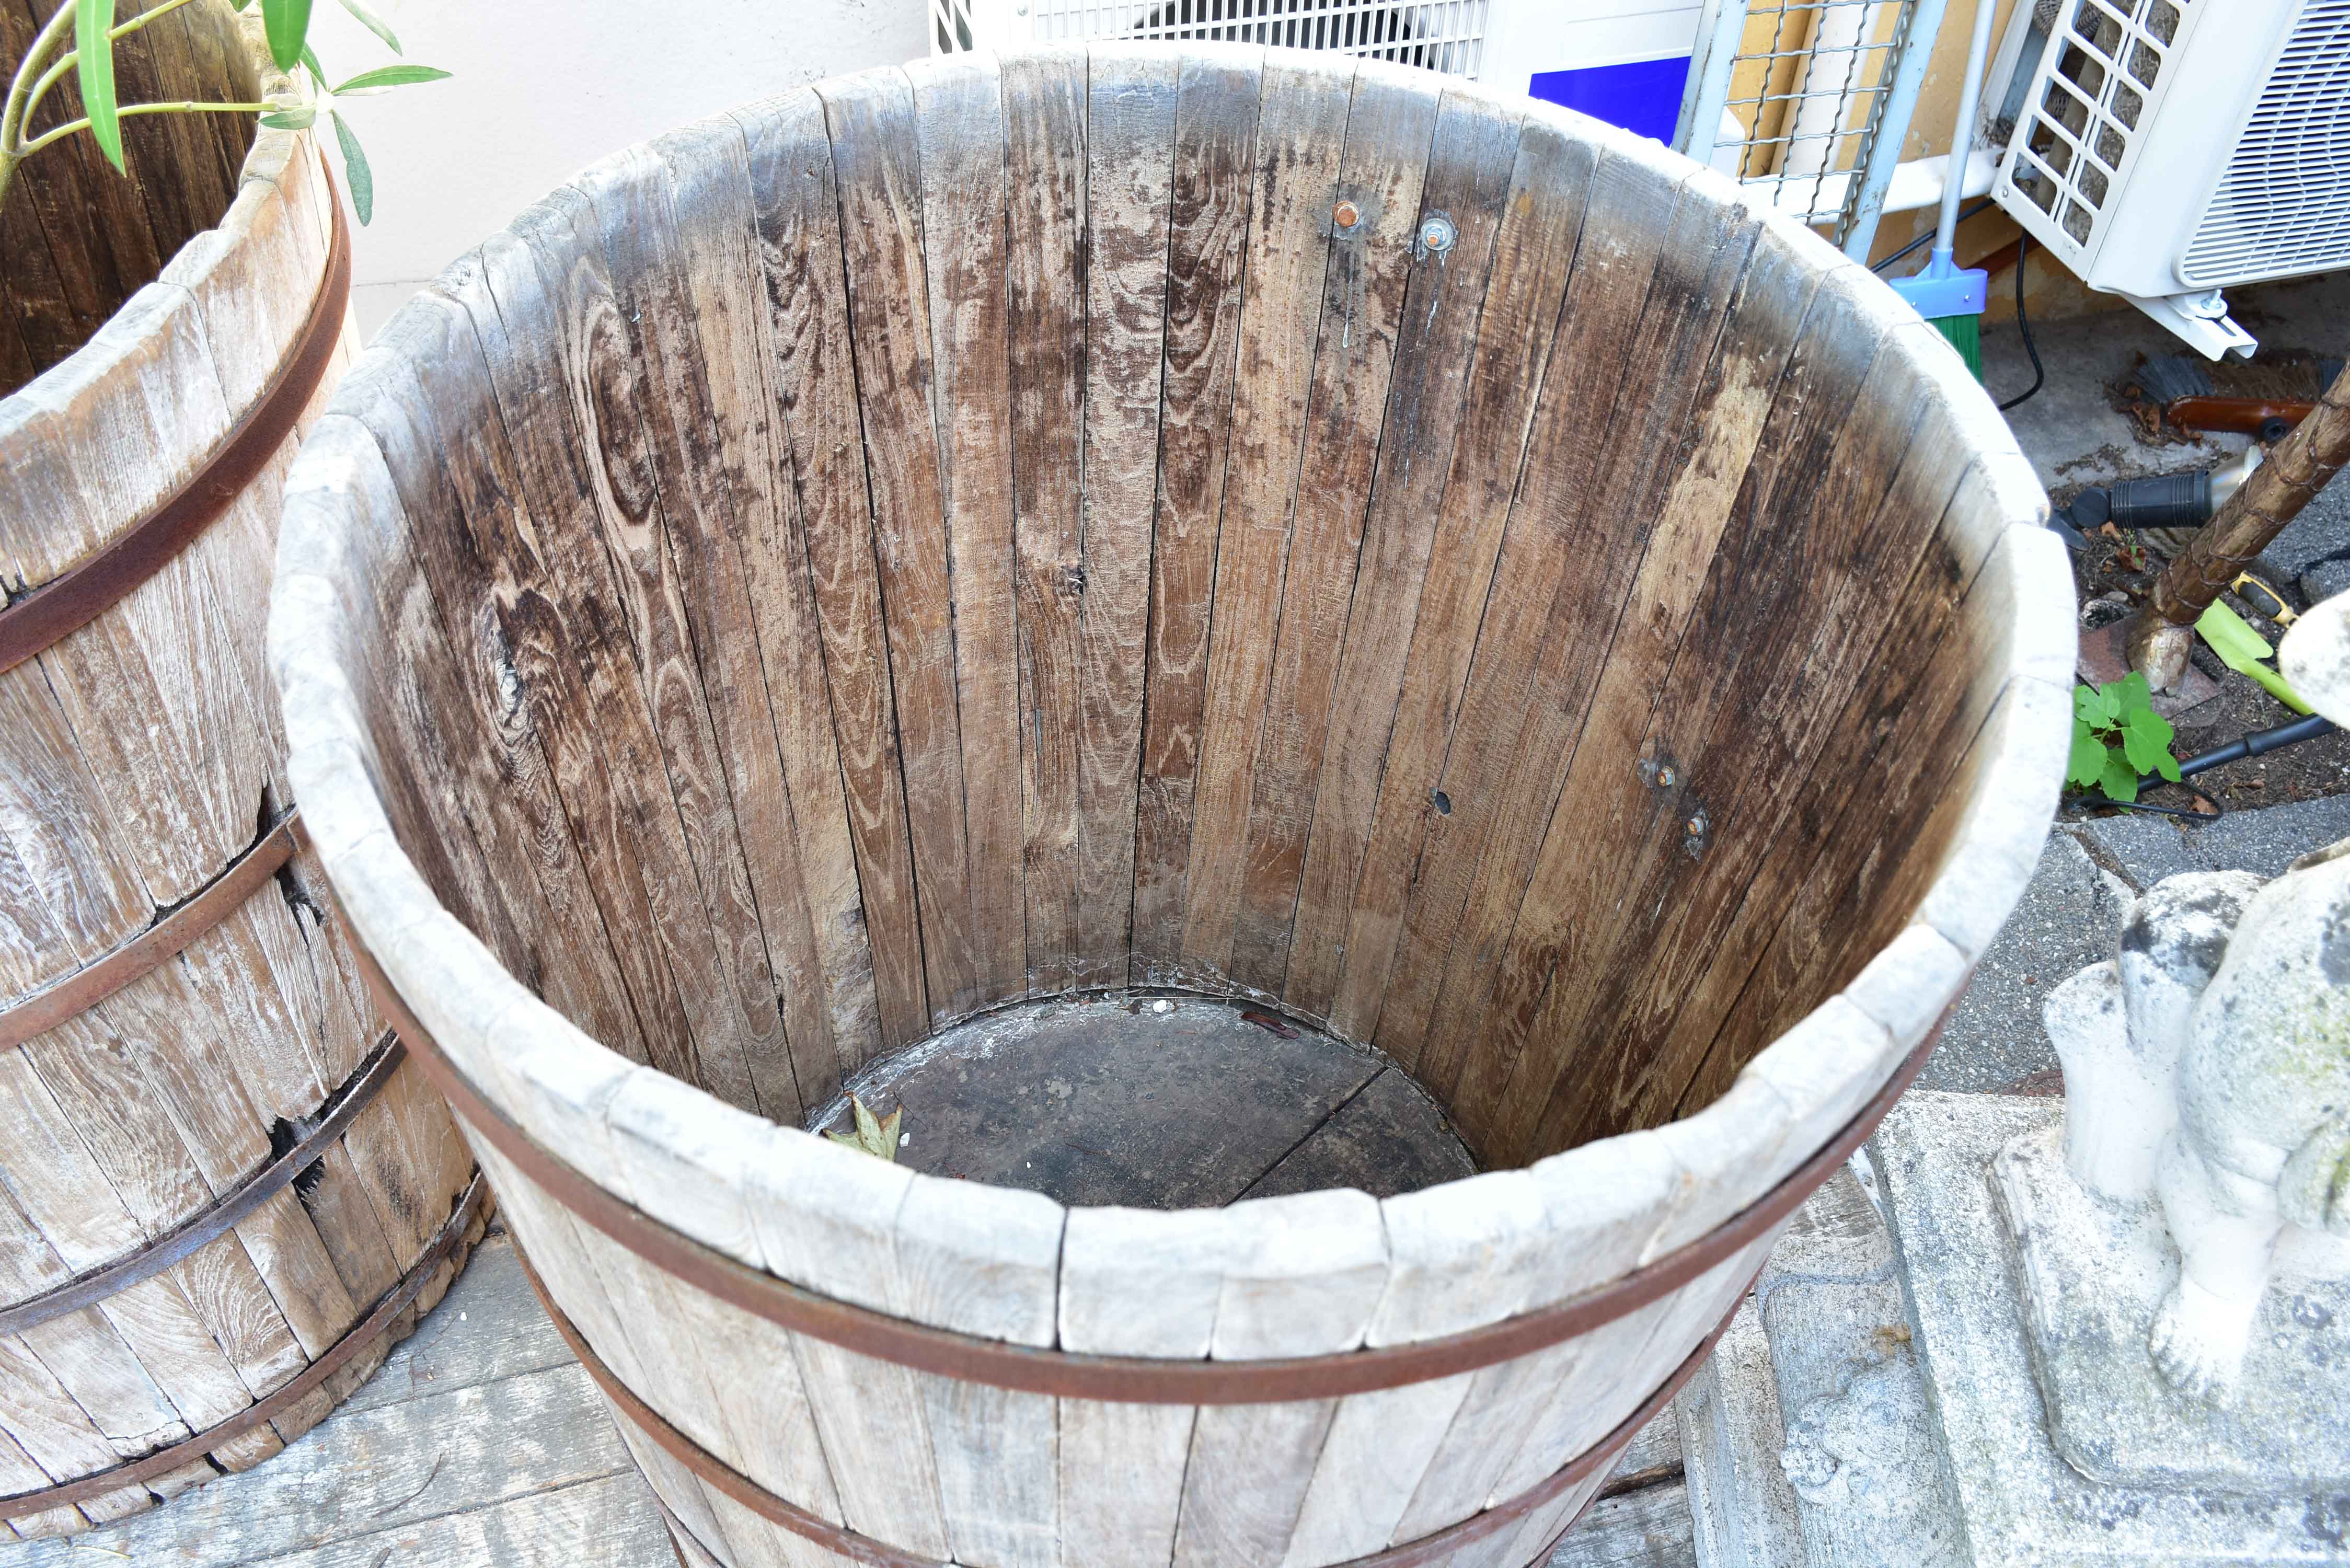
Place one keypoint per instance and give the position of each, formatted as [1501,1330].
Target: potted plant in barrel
[180,1036]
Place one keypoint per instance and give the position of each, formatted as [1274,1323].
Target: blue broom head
[1951,299]
[1942,288]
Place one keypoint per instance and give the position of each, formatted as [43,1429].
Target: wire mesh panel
[1446,35]
[1808,90]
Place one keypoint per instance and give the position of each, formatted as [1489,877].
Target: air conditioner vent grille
[2284,205]
[1446,35]
[2070,152]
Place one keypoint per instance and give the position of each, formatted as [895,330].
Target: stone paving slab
[2071,915]
[2022,1505]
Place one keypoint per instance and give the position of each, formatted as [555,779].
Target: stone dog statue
[2208,1066]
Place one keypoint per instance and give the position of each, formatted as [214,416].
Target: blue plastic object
[1643,96]
[1942,287]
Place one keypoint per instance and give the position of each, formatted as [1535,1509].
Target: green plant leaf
[2088,765]
[294,117]
[2120,782]
[2242,649]
[390,77]
[373,23]
[2167,766]
[317,71]
[2154,724]
[2142,749]
[2085,707]
[2109,703]
[287,24]
[94,66]
[355,171]
[2133,690]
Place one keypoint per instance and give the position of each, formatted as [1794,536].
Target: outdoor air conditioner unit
[2168,150]
[1624,61]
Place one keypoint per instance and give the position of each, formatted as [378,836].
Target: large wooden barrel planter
[1215,525]
[222,1194]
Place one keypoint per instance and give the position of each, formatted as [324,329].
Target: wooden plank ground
[482,1445]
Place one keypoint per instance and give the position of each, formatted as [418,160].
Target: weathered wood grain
[1557,586]
[1303,1279]
[600,719]
[686,218]
[960,128]
[1044,274]
[84,238]
[1533,253]
[141,750]
[1131,120]
[640,514]
[493,597]
[877,163]
[808,887]
[1208,215]
[1916,733]
[1299,142]
[1133,1283]
[1390,124]
[828,1219]
[984,1261]
[1681,466]
[1700,721]
[1436,334]
[1458,1255]
[70,890]
[815,389]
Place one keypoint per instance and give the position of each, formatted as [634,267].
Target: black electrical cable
[2023,325]
[1983,206]
[2259,743]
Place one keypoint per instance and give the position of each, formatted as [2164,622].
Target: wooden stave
[207,339]
[1888,1005]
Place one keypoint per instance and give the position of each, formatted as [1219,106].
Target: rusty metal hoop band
[1434,1548]
[92,586]
[341,1109]
[92,983]
[444,1241]
[1115,1379]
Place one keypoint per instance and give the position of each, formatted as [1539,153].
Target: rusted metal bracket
[92,983]
[88,588]
[445,1241]
[338,1114]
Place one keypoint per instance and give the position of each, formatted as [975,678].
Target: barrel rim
[1122,1379]
[558,1081]
[273,164]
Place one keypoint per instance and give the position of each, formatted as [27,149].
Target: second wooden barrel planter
[223,1193]
[1240,528]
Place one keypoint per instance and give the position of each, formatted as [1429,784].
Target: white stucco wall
[544,88]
